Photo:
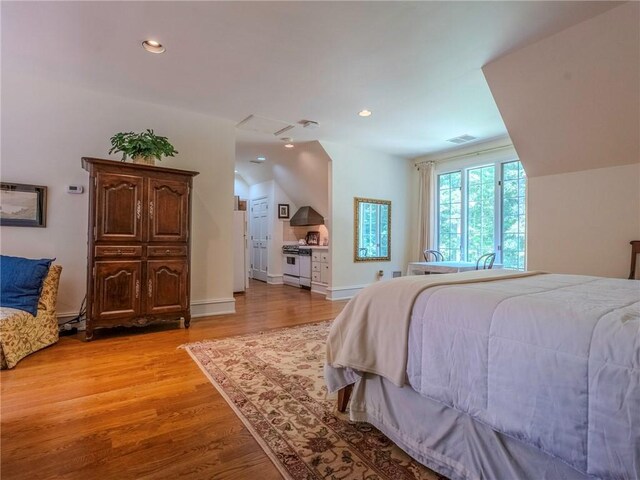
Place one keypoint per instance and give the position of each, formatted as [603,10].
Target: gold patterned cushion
[21,333]
[49,294]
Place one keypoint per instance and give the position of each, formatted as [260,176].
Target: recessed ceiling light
[235,171]
[288,145]
[153,46]
[261,159]
[364,113]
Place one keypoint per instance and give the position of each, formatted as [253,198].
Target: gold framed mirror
[371,230]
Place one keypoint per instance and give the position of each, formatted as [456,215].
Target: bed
[497,374]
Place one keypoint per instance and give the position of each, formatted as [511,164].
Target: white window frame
[498,219]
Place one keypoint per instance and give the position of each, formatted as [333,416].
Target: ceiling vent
[254,123]
[462,139]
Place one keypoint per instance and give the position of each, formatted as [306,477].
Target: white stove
[296,266]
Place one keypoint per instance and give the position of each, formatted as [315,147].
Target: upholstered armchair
[21,333]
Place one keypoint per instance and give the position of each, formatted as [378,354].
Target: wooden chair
[486,261]
[635,251]
[438,257]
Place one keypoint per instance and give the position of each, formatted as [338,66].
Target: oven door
[290,265]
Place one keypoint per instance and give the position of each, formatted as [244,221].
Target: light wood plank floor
[132,405]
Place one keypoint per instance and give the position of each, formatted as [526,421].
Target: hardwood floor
[131,404]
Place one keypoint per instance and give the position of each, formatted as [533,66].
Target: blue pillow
[21,282]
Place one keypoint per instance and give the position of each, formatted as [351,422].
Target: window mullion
[463,214]
[497,235]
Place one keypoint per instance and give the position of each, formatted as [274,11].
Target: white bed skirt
[448,441]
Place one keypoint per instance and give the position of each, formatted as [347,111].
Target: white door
[259,238]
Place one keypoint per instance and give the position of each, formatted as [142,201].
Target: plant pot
[144,160]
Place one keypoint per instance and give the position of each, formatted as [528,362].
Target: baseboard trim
[199,308]
[65,317]
[320,288]
[213,306]
[274,279]
[344,293]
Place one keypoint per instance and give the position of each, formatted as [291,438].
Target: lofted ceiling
[415,65]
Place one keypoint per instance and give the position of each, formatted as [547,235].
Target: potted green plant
[142,147]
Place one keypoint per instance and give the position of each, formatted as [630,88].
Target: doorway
[259,237]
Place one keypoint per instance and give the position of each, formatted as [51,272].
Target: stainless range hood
[306,216]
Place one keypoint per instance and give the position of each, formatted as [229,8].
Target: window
[481,188]
[450,215]
[481,209]
[514,223]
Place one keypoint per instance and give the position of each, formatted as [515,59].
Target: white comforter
[553,360]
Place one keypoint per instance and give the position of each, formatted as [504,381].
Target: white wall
[498,150]
[365,173]
[240,187]
[584,221]
[571,101]
[48,126]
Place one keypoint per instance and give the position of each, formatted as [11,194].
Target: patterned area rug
[274,382]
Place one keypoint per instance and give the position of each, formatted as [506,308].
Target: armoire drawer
[119,251]
[168,251]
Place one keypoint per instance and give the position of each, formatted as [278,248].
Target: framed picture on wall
[283,210]
[23,205]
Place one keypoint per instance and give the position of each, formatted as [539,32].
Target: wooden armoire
[139,244]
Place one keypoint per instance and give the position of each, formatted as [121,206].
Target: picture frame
[283,210]
[313,238]
[23,205]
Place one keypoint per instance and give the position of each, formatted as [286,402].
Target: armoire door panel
[168,210]
[167,286]
[117,289]
[119,203]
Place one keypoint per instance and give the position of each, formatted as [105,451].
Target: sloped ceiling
[571,101]
[302,172]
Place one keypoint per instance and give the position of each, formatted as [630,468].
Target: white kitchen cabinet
[324,273]
[320,267]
